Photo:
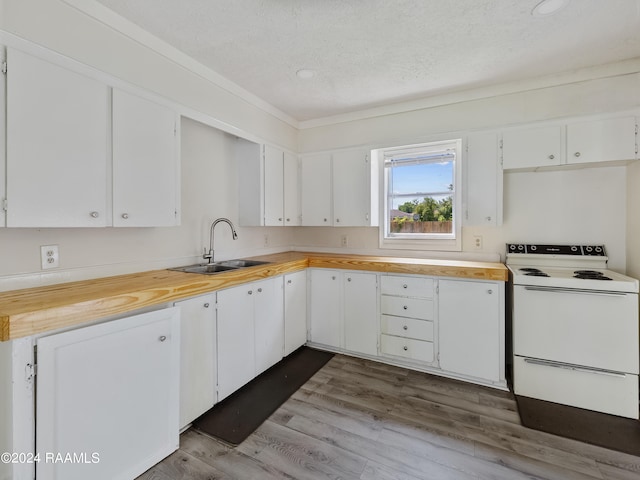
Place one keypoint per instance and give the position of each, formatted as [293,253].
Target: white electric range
[575,328]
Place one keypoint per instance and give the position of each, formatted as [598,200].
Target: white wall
[563,206]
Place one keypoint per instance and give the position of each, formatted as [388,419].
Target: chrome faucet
[234,235]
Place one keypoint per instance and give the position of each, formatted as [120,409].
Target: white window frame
[427,241]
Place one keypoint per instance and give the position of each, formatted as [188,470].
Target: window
[421,196]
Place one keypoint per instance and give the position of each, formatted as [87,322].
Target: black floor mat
[238,415]
[608,431]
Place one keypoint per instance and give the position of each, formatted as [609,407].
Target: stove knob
[512,247]
[520,247]
[533,248]
[589,249]
[574,249]
[599,249]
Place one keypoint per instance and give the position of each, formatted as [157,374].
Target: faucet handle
[207,256]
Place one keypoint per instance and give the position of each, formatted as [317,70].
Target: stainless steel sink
[219,267]
[241,263]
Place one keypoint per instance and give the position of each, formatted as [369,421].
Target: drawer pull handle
[570,366]
[333,278]
[206,305]
[289,282]
[404,286]
[250,292]
[489,291]
[551,157]
[94,214]
[405,348]
[260,290]
[405,327]
[162,338]
[577,154]
[405,307]
[349,279]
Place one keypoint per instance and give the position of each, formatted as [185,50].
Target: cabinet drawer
[407,286]
[407,307]
[407,347]
[407,327]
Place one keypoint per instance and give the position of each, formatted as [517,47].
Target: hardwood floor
[357,419]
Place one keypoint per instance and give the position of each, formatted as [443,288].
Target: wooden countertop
[35,310]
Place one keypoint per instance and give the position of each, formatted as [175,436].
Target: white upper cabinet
[315,182]
[145,162]
[483,180]
[601,140]
[339,189]
[57,139]
[267,184]
[291,195]
[352,189]
[532,147]
[273,186]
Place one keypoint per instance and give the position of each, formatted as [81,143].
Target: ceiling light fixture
[548,7]
[305,74]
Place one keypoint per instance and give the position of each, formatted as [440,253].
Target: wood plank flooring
[357,419]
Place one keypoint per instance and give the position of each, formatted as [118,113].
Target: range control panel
[537,249]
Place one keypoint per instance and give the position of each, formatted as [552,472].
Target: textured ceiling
[369,53]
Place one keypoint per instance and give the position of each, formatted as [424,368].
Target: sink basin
[218,267]
[241,263]
[205,269]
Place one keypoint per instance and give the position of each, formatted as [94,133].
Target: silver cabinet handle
[551,157]
[250,292]
[405,307]
[259,290]
[333,278]
[206,305]
[280,219]
[125,215]
[405,327]
[489,291]
[570,366]
[162,338]
[404,286]
[337,220]
[349,279]
[575,291]
[405,348]
[577,154]
[289,282]
[488,219]
[325,219]
[288,219]
[94,214]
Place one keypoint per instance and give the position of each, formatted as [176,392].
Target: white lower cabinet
[471,328]
[109,394]
[295,311]
[343,310]
[198,370]
[250,332]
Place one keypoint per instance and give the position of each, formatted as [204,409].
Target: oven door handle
[570,366]
[576,291]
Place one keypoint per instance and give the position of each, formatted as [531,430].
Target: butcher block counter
[36,310]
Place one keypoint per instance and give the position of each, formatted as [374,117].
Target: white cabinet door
[268,322]
[110,389]
[361,312]
[273,186]
[295,311]
[351,188]
[532,147]
[601,140]
[57,138]
[236,346]
[145,163]
[291,196]
[197,357]
[325,307]
[483,180]
[315,181]
[471,328]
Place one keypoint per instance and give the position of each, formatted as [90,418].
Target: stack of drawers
[406,322]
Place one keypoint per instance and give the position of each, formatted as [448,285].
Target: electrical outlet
[49,256]
[266,239]
[477,242]
[344,241]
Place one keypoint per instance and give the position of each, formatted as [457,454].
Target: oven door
[579,327]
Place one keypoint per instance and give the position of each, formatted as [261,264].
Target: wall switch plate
[49,256]
[477,242]
[344,241]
